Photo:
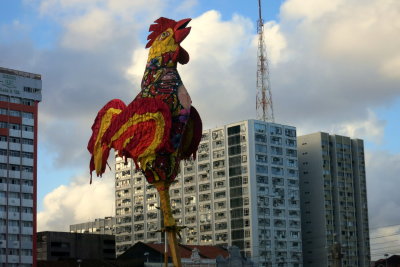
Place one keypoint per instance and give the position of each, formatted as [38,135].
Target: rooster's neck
[161,74]
[165,60]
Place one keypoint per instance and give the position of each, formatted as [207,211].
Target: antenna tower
[264,105]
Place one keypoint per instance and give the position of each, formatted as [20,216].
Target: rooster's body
[159,127]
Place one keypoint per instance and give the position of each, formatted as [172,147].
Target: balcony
[14,187]
[3,145]
[3,159]
[13,244]
[13,229]
[26,216]
[27,175]
[15,174]
[27,162]
[26,259]
[13,259]
[26,244]
[15,146]
[27,203]
[14,201]
[28,135]
[29,122]
[14,133]
[27,148]
[27,231]
[14,216]
[27,189]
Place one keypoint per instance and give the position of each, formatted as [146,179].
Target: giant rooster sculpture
[159,127]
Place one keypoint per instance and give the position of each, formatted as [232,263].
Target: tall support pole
[337,254]
[264,106]
[165,249]
[169,222]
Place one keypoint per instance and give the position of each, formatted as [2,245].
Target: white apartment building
[20,93]
[333,199]
[242,190]
[100,226]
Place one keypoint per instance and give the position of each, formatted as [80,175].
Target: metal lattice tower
[264,105]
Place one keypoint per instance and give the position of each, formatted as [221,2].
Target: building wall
[241,190]
[333,199]
[20,93]
[53,246]
[98,226]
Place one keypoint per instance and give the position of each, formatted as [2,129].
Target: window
[15,113]
[234,130]
[27,128]
[4,98]
[291,142]
[259,128]
[15,140]
[291,152]
[276,140]
[275,130]
[14,153]
[218,134]
[233,150]
[31,90]
[261,169]
[27,141]
[261,148]
[14,126]
[262,179]
[15,167]
[15,100]
[290,132]
[276,150]
[277,171]
[27,115]
[261,158]
[27,102]
[260,138]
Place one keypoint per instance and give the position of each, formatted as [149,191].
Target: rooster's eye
[163,35]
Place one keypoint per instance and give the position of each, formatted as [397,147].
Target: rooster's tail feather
[96,147]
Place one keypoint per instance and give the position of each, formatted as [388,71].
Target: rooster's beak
[181,31]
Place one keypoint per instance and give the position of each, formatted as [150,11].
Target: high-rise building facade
[20,93]
[333,199]
[241,190]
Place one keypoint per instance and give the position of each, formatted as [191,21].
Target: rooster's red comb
[159,27]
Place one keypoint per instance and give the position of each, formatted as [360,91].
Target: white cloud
[77,202]
[382,171]
[95,28]
[371,129]
[309,10]
[275,43]
[384,241]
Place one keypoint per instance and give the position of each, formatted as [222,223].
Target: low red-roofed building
[190,254]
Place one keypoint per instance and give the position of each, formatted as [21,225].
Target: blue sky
[334,67]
